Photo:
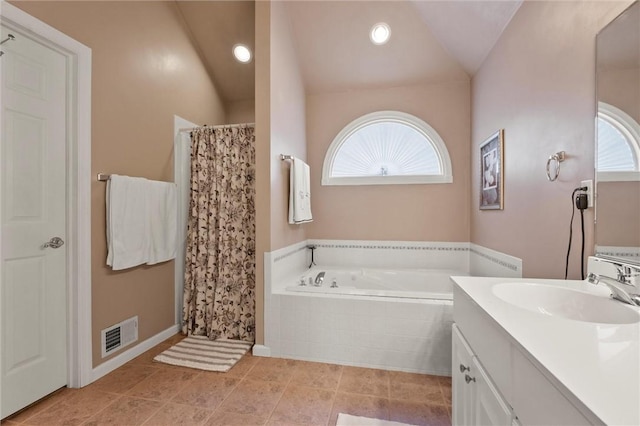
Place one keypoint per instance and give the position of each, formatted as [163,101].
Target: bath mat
[349,420]
[204,354]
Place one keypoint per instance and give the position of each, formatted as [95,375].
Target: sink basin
[566,303]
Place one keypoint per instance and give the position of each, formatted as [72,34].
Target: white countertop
[598,363]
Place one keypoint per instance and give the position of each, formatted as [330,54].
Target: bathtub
[393,319]
[393,283]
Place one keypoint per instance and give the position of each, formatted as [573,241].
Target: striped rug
[204,354]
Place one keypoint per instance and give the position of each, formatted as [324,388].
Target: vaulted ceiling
[430,41]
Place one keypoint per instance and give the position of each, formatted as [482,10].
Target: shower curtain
[219,285]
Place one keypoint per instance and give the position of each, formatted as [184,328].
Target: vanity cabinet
[476,401]
[495,383]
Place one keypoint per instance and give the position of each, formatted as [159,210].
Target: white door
[33,197]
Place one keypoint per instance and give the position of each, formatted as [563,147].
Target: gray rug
[204,354]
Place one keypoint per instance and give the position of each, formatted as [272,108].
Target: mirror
[618,138]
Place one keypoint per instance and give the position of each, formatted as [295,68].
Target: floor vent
[118,336]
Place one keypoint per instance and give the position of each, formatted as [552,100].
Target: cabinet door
[490,408]
[462,384]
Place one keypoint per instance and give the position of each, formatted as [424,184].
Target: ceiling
[430,41]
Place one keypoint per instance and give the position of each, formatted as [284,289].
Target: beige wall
[287,125]
[145,70]
[280,129]
[614,89]
[263,154]
[618,222]
[436,212]
[538,84]
[241,112]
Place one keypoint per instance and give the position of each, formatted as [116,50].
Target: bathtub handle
[463,368]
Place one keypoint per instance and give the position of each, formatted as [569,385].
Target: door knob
[55,242]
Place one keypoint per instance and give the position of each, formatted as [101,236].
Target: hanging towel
[162,208]
[127,222]
[299,192]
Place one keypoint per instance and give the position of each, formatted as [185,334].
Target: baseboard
[261,350]
[118,361]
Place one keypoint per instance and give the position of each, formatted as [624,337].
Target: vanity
[543,352]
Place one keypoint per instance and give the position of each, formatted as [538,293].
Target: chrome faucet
[626,286]
[319,279]
[617,287]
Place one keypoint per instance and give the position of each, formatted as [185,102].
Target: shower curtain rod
[218,126]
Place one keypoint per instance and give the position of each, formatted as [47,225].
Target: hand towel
[162,207]
[299,192]
[127,221]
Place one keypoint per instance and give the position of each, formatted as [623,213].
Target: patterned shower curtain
[219,285]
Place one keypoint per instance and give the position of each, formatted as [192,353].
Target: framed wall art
[491,169]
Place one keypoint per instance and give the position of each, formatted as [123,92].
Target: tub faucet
[319,279]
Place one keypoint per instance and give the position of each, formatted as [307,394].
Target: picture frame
[492,172]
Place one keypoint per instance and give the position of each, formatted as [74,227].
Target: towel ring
[558,158]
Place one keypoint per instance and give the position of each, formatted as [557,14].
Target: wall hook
[557,158]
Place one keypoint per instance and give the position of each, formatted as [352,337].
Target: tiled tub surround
[402,334]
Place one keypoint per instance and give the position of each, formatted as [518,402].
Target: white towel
[127,222]
[162,205]
[299,192]
[141,221]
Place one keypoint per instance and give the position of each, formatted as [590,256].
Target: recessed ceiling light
[242,53]
[380,33]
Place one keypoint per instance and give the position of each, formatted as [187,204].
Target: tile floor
[256,391]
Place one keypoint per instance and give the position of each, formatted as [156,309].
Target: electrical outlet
[589,191]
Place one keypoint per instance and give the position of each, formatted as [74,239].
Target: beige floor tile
[255,397]
[147,357]
[207,391]
[176,414]
[164,384]
[417,413]
[317,375]
[124,378]
[273,369]
[426,392]
[257,391]
[46,402]
[221,418]
[125,411]
[242,367]
[77,407]
[365,381]
[359,405]
[304,406]
[445,386]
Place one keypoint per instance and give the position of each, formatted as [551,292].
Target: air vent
[118,336]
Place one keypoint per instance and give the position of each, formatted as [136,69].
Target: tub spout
[319,279]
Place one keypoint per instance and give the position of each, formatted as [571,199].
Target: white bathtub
[398,283]
[394,319]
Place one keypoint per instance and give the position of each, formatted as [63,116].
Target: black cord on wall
[581,204]
[582,251]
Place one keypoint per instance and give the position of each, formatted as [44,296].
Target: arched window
[387,147]
[618,145]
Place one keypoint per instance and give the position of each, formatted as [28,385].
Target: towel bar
[103,177]
[286,157]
